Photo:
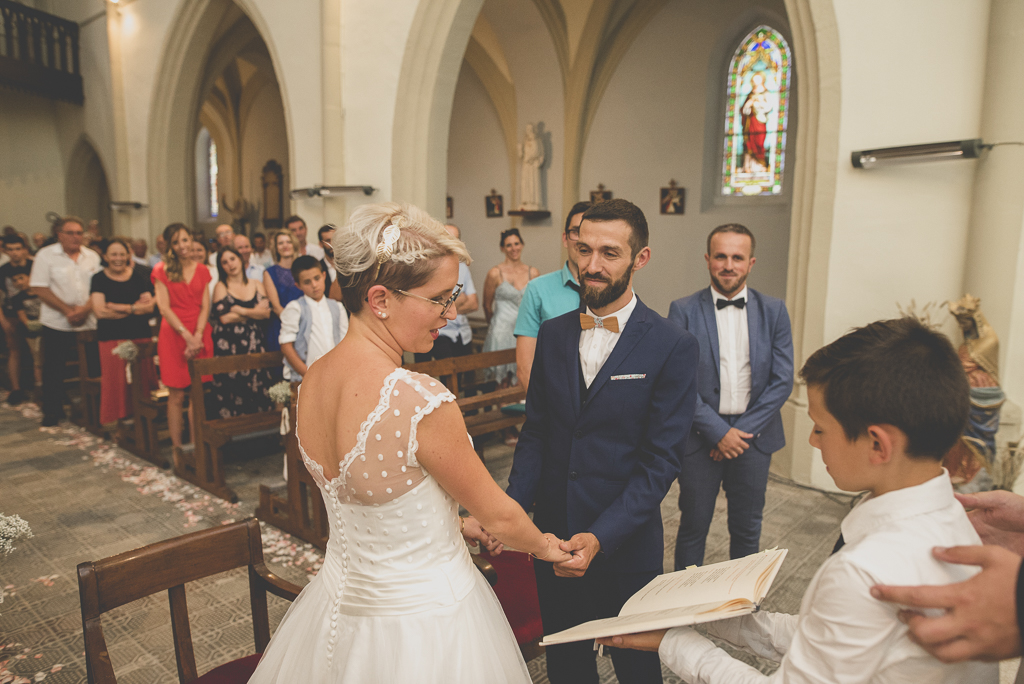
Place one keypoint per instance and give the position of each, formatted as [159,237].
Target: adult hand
[473,532]
[641,641]
[980,622]
[716,455]
[553,552]
[998,517]
[144,299]
[732,444]
[583,547]
[77,315]
[263,305]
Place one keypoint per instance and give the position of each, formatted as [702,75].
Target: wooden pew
[88,415]
[301,512]
[488,417]
[204,465]
[149,408]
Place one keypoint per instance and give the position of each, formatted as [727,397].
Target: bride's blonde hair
[421,241]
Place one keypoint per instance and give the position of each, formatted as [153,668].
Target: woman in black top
[122,298]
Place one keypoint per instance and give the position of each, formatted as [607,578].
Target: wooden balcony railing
[39,53]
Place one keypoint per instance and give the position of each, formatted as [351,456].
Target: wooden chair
[204,466]
[167,566]
[89,387]
[149,409]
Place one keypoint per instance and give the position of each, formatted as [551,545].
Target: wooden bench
[88,414]
[203,466]
[488,417]
[149,413]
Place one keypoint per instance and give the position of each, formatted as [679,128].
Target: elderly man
[297,226]
[139,249]
[61,277]
[157,256]
[253,271]
[225,235]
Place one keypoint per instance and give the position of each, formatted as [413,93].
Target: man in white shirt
[139,248]
[455,339]
[297,226]
[888,401]
[745,376]
[62,278]
[225,235]
[260,254]
[312,325]
[253,271]
[157,256]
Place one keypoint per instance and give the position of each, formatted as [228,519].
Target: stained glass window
[214,204]
[757,110]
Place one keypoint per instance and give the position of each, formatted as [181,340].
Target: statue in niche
[975,453]
[755,112]
[531,157]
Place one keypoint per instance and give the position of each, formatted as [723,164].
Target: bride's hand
[552,552]
[473,532]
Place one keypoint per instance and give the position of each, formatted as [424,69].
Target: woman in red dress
[184,302]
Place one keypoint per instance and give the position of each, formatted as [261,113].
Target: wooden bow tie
[609,323]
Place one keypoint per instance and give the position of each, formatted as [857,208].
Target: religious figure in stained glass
[757,109]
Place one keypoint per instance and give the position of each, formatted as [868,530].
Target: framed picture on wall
[449,207]
[600,195]
[673,199]
[495,205]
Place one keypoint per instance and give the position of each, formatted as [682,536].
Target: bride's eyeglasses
[445,305]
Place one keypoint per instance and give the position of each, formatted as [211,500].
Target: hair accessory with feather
[386,248]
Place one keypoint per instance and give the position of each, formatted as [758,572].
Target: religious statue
[979,355]
[755,112]
[531,156]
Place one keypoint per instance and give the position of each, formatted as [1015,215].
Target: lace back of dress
[383,465]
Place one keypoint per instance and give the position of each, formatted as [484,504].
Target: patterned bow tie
[739,303]
[609,323]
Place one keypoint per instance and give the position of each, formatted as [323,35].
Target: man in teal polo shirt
[548,296]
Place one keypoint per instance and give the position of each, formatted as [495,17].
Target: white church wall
[264,137]
[651,126]
[476,164]
[31,165]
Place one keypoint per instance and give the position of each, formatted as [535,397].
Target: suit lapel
[753,339]
[636,328]
[572,361]
[707,305]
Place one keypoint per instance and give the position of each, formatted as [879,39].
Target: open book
[687,597]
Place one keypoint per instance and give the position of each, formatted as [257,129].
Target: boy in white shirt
[888,401]
[312,325]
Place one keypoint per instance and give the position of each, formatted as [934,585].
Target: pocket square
[632,376]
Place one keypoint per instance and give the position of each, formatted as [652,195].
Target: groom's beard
[598,298]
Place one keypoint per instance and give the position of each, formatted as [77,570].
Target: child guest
[26,306]
[311,325]
[888,401]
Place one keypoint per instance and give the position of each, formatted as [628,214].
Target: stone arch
[179,91]
[86,192]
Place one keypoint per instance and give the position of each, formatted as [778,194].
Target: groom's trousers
[569,601]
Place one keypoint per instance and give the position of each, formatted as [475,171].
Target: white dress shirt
[596,344]
[459,330]
[733,354]
[842,634]
[315,251]
[264,258]
[321,333]
[69,279]
[254,271]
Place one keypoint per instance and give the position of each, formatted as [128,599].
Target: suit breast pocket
[632,393]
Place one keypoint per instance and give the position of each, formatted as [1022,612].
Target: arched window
[207,176]
[212,160]
[756,114]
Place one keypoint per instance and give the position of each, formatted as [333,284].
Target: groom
[611,398]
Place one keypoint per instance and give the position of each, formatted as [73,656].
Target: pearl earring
[382,314]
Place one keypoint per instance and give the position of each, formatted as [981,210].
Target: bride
[398,598]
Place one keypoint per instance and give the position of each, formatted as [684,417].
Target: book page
[743,578]
[661,619]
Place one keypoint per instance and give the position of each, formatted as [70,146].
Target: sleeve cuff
[682,649]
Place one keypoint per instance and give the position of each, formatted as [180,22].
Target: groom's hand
[583,547]
[473,532]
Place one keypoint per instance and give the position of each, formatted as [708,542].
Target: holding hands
[474,533]
[582,547]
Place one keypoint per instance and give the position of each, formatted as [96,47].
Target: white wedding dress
[398,598]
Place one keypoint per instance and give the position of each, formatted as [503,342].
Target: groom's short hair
[622,210]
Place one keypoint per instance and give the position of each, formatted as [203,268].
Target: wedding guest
[39,241]
[549,296]
[158,256]
[240,310]
[311,325]
[253,271]
[182,295]
[24,308]
[326,233]
[260,253]
[279,283]
[503,292]
[456,338]
[16,253]
[123,300]
[201,255]
[61,277]
[224,236]
[296,225]
[139,248]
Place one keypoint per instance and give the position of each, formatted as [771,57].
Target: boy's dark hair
[622,210]
[578,208]
[24,269]
[733,228]
[304,263]
[15,239]
[895,372]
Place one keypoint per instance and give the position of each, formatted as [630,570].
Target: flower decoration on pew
[12,529]
[127,351]
[281,394]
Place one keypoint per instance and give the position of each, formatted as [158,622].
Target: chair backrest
[197,368]
[167,566]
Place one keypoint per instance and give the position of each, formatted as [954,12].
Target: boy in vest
[311,325]
[888,401]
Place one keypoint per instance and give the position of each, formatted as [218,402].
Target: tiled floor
[86,499]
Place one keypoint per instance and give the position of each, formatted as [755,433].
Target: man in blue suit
[745,376]
[608,410]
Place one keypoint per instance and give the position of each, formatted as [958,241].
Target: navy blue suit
[745,477]
[601,460]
